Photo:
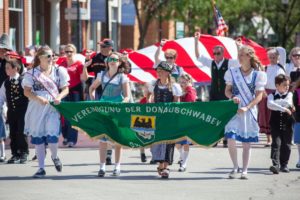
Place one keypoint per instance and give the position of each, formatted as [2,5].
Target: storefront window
[15,4]
[16,24]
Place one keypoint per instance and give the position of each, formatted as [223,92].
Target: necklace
[246,71]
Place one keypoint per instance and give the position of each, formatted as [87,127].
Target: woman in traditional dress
[245,86]
[42,84]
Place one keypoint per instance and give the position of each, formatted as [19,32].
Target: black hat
[106,43]
[165,66]
[4,42]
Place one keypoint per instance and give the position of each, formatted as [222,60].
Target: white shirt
[3,90]
[272,72]
[208,62]
[280,104]
[290,67]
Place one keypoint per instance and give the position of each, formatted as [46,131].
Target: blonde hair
[295,49]
[72,46]
[187,77]
[41,51]
[254,61]
[172,52]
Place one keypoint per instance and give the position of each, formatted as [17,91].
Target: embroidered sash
[244,90]
[46,81]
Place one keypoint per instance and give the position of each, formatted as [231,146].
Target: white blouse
[260,81]
[272,72]
[176,89]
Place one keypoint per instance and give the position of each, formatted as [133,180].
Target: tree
[283,18]
[146,12]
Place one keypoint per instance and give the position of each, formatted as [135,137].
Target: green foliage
[284,19]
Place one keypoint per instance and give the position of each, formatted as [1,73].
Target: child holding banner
[245,86]
[164,90]
[115,88]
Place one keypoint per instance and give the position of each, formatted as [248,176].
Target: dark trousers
[281,146]
[68,132]
[18,140]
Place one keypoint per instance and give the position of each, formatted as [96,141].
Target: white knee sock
[2,149]
[102,166]
[40,154]
[298,152]
[233,153]
[53,148]
[246,156]
[118,166]
[185,155]
[181,153]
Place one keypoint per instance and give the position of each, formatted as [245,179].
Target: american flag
[222,28]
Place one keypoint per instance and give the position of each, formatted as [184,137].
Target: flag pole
[213,3]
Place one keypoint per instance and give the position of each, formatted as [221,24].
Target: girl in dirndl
[42,84]
[164,90]
[115,88]
[245,86]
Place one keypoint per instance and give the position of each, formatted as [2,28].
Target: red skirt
[264,114]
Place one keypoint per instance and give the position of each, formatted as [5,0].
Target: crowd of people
[266,102]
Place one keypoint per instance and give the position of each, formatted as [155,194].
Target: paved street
[205,178]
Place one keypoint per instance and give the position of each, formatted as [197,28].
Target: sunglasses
[296,55]
[169,58]
[112,59]
[48,56]
[217,53]
[68,51]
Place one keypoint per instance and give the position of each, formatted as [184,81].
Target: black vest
[294,76]
[16,101]
[162,95]
[3,75]
[280,120]
[217,90]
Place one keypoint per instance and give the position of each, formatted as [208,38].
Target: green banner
[138,125]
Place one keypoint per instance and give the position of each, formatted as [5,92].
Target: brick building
[54,22]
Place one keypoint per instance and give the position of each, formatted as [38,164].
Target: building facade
[55,22]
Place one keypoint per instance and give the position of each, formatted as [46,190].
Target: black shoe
[23,158]
[182,169]
[225,143]
[14,160]
[143,157]
[152,162]
[57,164]
[297,165]
[40,173]
[284,169]
[65,142]
[108,161]
[2,159]
[34,158]
[274,169]
[101,173]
